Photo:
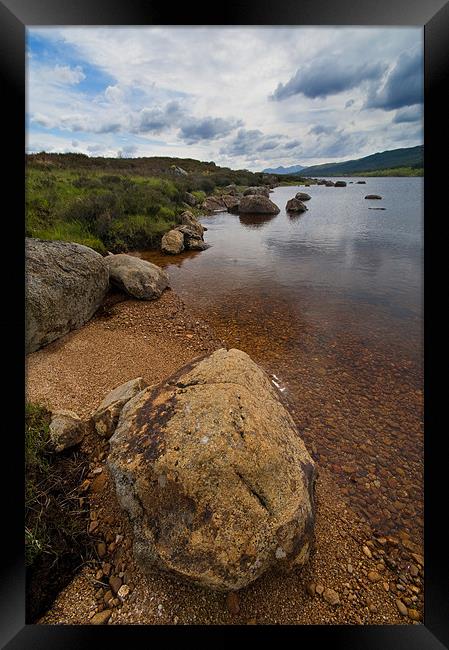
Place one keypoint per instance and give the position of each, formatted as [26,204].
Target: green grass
[394,171]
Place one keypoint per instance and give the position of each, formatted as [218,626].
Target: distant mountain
[410,157]
[294,169]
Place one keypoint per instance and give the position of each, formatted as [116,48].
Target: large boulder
[139,278]
[212,472]
[65,285]
[302,196]
[172,242]
[295,205]
[257,204]
[192,241]
[190,199]
[106,416]
[262,189]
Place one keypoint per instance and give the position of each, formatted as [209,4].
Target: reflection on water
[255,220]
[331,302]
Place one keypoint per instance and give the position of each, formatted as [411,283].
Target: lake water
[330,302]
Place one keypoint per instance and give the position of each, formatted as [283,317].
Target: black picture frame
[15,15]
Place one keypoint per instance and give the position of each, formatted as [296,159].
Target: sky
[243,97]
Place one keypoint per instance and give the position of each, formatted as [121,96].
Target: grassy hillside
[411,159]
[116,204]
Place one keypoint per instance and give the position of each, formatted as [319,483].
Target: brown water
[330,303]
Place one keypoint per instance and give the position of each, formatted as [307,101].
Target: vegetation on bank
[394,171]
[117,204]
[56,517]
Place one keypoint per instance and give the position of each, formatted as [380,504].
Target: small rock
[350,568]
[331,597]
[93,526]
[66,430]
[101,549]
[401,607]
[311,589]
[101,618]
[232,601]
[386,586]
[414,571]
[372,608]
[108,596]
[106,568]
[319,589]
[115,583]
[367,552]
[414,614]
[123,592]
[374,576]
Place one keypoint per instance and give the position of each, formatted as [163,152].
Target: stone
[192,241]
[66,430]
[295,205]
[257,204]
[65,285]
[414,614]
[101,618]
[311,586]
[189,219]
[101,549]
[256,191]
[108,597]
[319,589]
[367,551]
[373,576]
[302,196]
[360,182]
[190,199]
[115,583]
[373,196]
[172,242]
[340,184]
[209,445]
[401,607]
[331,596]
[123,592]
[106,416]
[138,278]
[232,601]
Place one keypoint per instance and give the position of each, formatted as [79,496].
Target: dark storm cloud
[403,86]
[328,76]
[207,128]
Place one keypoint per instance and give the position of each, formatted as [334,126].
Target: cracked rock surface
[212,472]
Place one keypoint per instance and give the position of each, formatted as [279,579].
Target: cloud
[327,76]
[408,114]
[349,103]
[403,85]
[207,128]
[155,120]
[127,151]
[64,74]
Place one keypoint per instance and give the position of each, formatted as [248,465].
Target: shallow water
[330,301]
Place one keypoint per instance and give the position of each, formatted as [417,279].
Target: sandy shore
[131,338]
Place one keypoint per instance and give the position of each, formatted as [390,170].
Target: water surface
[330,301]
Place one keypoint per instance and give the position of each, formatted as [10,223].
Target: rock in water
[340,184]
[257,204]
[66,430]
[139,278]
[105,418]
[172,242]
[302,196]
[373,196]
[65,285]
[295,205]
[189,219]
[217,482]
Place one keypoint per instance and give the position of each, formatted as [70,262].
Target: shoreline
[131,338]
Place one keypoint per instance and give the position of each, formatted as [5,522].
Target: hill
[411,158]
[294,169]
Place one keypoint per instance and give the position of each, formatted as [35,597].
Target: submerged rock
[106,416]
[373,196]
[340,184]
[139,278]
[295,205]
[257,204]
[65,285]
[212,472]
[172,242]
